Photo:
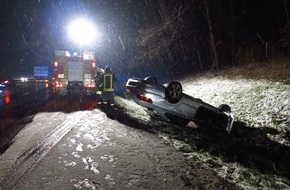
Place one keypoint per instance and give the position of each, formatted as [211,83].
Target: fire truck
[74,75]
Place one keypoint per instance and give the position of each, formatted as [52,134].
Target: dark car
[16,93]
[7,86]
[169,103]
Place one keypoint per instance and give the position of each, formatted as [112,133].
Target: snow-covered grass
[256,103]
[132,109]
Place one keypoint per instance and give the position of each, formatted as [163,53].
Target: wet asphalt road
[85,149]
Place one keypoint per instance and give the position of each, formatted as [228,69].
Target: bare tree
[232,36]
[287,24]
[215,63]
[284,38]
[154,40]
[286,11]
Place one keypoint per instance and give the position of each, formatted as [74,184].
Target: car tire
[151,80]
[225,108]
[173,92]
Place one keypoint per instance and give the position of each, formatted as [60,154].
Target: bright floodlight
[83,32]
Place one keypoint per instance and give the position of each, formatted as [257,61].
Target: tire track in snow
[32,156]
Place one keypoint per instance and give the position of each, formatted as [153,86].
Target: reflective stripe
[108,82]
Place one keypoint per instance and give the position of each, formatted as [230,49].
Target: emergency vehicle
[74,75]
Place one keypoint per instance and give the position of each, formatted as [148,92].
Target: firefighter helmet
[100,71]
[107,69]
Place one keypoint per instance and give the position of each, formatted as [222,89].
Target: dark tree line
[150,36]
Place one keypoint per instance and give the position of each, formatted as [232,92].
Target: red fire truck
[74,75]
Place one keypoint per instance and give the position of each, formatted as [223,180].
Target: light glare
[83,32]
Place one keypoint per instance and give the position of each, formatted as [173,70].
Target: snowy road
[88,150]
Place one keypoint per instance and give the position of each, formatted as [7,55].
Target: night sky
[135,33]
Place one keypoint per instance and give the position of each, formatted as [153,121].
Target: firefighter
[106,85]
[98,76]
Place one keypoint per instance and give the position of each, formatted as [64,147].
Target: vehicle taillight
[91,85]
[144,98]
[7,98]
[58,84]
[46,83]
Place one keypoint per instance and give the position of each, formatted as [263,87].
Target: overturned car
[169,103]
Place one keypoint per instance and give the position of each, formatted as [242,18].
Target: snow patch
[79,147]
[110,180]
[83,184]
[90,164]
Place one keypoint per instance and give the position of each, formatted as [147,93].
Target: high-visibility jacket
[107,82]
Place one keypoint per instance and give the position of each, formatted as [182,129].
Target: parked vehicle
[17,94]
[169,103]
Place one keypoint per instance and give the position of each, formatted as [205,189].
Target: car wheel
[173,92]
[151,80]
[225,108]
